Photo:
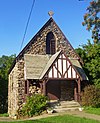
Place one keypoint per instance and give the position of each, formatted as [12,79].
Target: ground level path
[73,113]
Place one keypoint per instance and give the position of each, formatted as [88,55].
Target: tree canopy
[5,63]
[92,20]
[90,53]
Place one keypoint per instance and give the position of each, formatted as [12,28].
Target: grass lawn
[59,119]
[92,110]
[4,115]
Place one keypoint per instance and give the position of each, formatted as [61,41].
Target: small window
[50,44]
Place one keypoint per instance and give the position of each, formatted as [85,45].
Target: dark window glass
[50,44]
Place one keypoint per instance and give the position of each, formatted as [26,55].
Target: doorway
[60,90]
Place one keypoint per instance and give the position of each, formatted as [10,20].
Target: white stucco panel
[50,74]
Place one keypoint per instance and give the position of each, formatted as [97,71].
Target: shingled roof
[36,66]
[78,68]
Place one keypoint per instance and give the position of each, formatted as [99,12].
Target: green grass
[59,119]
[92,110]
[4,115]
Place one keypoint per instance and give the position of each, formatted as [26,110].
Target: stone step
[66,109]
[69,102]
[67,106]
[63,106]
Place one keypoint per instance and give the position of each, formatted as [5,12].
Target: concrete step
[65,109]
[63,106]
[69,104]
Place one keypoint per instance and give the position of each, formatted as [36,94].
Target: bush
[91,96]
[34,105]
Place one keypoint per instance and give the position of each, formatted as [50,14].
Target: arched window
[50,44]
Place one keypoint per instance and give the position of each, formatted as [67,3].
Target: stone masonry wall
[13,92]
[39,45]
[16,89]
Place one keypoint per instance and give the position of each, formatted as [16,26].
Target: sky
[68,14]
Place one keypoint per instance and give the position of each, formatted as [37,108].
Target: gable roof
[50,62]
[21,54]
[36,66]
[78,68]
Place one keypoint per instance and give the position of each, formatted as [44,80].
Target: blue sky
[68,15]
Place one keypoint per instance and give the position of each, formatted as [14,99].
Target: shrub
[91,96]
[34,105]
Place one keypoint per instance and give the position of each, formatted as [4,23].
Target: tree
[5,63]
[90,53]
[92,19]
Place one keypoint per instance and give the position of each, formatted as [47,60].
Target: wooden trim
[41,87]
[79,89]
[75,91]
[62,65]
[52,71]
[44,88]
[62,78]
[58,71]
[63,58]
[67,71]
[66,67]
[71,65]
[71,72]
[27,87]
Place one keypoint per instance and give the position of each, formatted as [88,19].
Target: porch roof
[36,66]
[78,68]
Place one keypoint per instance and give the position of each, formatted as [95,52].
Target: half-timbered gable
[60,67]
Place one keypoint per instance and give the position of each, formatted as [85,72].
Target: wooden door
[53,89]
[67,90]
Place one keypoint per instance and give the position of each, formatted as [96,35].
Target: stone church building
[48,65]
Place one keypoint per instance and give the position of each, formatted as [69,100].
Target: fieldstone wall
[16,89]
[13,92]
[67,90]
[39,44]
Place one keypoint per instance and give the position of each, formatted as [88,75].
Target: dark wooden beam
[44,88]
[75,92]
[79,89]
[27,87]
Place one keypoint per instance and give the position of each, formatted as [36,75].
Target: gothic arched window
[50,44]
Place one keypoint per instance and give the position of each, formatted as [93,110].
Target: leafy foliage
[5,63]
[34,105]
[92,19]
[90,53]
[91,96]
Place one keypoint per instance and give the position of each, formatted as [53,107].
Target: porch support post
[79,89]
[75,92]
[44,88]
[41,87]
[27,87]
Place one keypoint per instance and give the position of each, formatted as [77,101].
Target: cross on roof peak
[50,13]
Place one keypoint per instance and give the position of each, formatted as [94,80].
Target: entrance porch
[63,90]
